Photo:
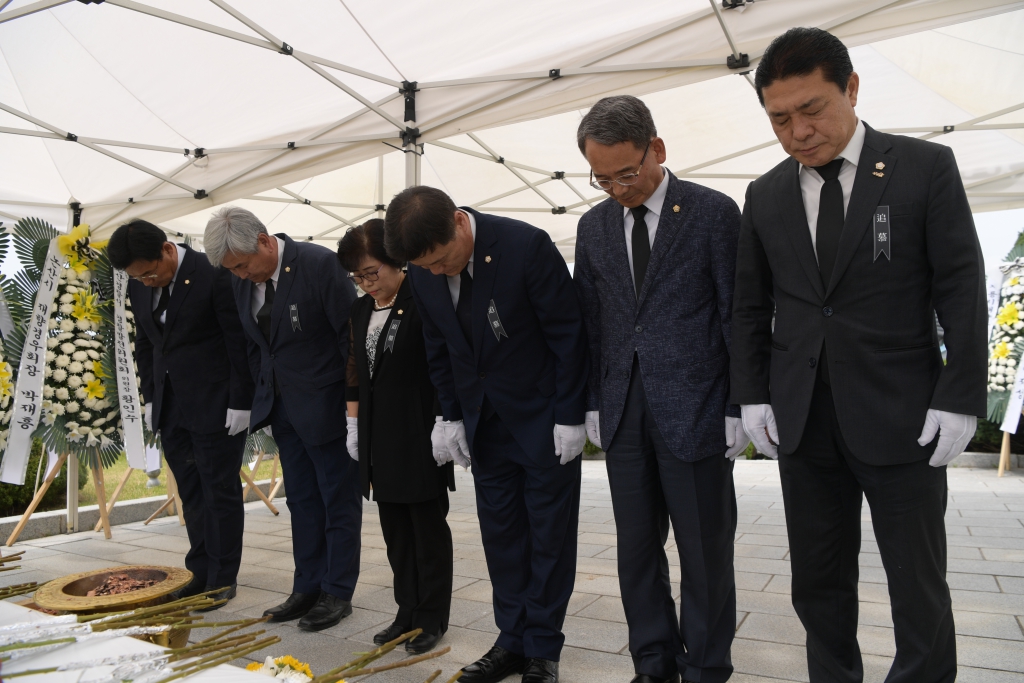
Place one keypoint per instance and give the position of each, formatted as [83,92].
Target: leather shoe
[423,643]
[297,605]
[389,634]
[644,678]
[494,666]
[540,671]
[328,611]
[193,587]
[225,593]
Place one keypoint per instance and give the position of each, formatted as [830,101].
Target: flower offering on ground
[285,668]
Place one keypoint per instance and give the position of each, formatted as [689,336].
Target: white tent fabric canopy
[165,109]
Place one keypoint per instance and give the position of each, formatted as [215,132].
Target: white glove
[352,439]
[455,439]
[236,421]
[955,432]
[759,424]
[593,422]
[569,441]
[736,439]
[438,445]
[148,417]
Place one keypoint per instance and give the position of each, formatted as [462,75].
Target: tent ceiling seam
[25,11]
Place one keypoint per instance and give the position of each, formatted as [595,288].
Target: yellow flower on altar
[6,385]
[79,248]
[85,306]
[1007,315]
[97,369]
[295,664]
[1013,281]
[1001,350]
[94,389]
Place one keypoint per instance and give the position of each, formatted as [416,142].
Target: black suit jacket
[534,377]
[397,406]
[201,350]
[876,316]
[306,358]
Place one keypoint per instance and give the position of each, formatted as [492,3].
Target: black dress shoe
[494,666]
[328,611]
[193,587]
[423,643]
[297,605]
[644,678]
[225,593]
[540,671]
[389,634]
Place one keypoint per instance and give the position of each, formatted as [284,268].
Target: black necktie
[831,216]
[641,243]
[161,306]
[263,315]
[464,310]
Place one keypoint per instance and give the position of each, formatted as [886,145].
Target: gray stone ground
[985,526]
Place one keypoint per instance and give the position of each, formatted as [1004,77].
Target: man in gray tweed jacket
[657,303]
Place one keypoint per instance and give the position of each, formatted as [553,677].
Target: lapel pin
[186,282]
[878,174]
[675,208]
[487,259]
[287,269]
[400,311]
[879,165]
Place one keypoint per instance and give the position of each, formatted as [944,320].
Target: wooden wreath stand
[173,503]
[275,483]
[97,478]
[1004,455]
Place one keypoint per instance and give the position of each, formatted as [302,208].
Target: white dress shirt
[259,289]
[158,291]
[455,281]
[655,203]
[811,182]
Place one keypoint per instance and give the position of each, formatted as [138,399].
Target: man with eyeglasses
[654,271]
[190,350]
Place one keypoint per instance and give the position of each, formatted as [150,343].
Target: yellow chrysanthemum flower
[78,248]
[295,664]
[1007,315]
[253,666]
[97,369]
[95,389]
[1014,281]
[85,307]
[1001,350]
[6,385]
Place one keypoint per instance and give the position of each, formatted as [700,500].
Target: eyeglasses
[143,278]
[625,179]
[369,277]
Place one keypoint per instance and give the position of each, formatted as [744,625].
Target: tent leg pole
[412,165]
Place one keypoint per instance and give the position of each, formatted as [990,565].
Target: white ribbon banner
[28,393]
[1012,417]
[994,281]
[127,383]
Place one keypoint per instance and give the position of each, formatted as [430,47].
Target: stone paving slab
[984,521]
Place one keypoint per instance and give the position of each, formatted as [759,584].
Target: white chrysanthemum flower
[88,376]
[58,409]
[71,406]
[84,415]
[48,371]
[67,348]
[95,344]
[101,404]
[99,422]
[71,288]
[67,299]
[84,430]
[83,325]
[133,347]
[74,381]
[62,361]
[59,375]
[66,324]
[129,315]
[66,309]
[50,357]
[61,393]
[111,415]
[81,394]
[80,356]
[93,354]
[90,403]
[85,275]
[82,342]
[48,392]
[1011,362]
[51,343]
[64,336]
[109,430]
[76,367]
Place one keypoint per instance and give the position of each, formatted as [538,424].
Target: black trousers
[823,485]
[419,544]
[649,487]
[205,467]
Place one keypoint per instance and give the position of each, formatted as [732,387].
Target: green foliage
[15,499]
[29,233]
[259,441]
[590,449]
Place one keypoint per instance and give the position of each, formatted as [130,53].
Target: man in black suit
[294,300]
[191,356]
[507,352]
[655,269]
[855,244]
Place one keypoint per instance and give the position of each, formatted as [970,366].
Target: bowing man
[294,300]
[190,351]
[507,352]
[854,245]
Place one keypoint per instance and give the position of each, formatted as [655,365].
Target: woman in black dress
[392,408]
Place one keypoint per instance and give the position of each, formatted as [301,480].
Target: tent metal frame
[412,136]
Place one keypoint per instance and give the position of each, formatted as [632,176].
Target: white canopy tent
[297,110]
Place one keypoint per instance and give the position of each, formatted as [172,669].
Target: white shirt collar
[280,259]
[472,226]
[854,147]
[656,202]
[181,257]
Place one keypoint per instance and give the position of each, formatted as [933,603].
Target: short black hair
[799,52]
[137,240]
[361,241]
[418,219]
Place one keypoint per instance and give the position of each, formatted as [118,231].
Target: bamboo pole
[38,498]
[266,501]
[114,496]
[259,461]
[1004,454]
[101,496]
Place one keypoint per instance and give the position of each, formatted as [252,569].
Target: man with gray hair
[294,300]
[654,271]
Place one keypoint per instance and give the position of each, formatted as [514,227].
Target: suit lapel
[246,314]
[284,283]
[486,255]
[669,223]
[182,286]
[794,217]
[867,190]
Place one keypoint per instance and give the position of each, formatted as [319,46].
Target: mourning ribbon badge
[293,314]
[883,233]
[389,341]
[495,321]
